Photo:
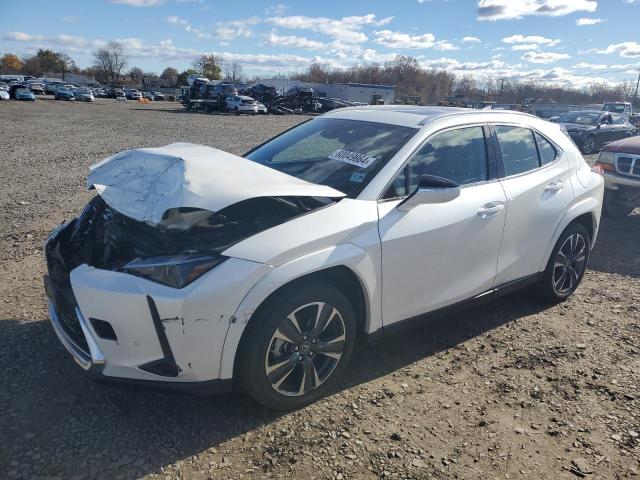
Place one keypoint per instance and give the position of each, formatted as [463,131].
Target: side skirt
[492,294]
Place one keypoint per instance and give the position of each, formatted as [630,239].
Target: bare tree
[136,74]
[111,60]
[232,72]
[170,75]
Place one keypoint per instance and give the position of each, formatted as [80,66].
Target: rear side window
[617,120]
[459,155]
[518,147]
[547,151]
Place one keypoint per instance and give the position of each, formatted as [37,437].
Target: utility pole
[635,95]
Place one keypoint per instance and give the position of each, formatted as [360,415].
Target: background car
[4,92]
[36,87]
[64,93]
[158,96]
[84,95]
[241,104]
[19,91]
[620,162]
[593,129]
[133,94]
[24,94]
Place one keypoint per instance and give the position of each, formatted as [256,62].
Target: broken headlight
[176,271]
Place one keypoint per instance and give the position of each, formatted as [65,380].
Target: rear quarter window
[518,147]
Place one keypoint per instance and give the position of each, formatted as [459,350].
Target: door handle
[490,209]
[553,187]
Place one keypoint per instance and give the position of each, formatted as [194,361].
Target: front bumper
[163,336]
[93,360]
[613,181]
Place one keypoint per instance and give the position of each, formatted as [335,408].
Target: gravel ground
[514,389]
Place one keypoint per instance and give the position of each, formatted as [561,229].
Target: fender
[348,255]
[585,205]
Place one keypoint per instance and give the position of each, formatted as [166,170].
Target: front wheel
[567,264]
[298,346]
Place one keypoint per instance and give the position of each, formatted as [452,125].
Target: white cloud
[516,9]
[591,66]
[187,27]
[392,39]
[236,28]
[139,3]
[588,21]
[544,57]
[530,39]
[470,40]
[345,30]
[524,46]
[71,43]
[273,39]
[278,9]
[624,49]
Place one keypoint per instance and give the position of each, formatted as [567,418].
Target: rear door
[536,180]
[620,128]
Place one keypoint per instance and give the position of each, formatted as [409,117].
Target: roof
[408,115]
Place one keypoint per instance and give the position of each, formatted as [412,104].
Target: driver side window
[459,155]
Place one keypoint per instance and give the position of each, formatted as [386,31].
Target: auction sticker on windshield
[354,158]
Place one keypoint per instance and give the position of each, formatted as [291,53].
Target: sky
[575,42]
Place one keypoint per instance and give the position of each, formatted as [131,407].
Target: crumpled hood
[144,183]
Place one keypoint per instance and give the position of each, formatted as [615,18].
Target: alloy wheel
[305,349]
[570,263]
[589,144]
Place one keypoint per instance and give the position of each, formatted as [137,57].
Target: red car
[621,164]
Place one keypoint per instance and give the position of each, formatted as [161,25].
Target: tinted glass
[459,155]
[343,154]
[583,118]
[547,151]
[617,119]
[519,153]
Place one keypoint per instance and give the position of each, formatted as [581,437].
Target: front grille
[628,164]
[71,325]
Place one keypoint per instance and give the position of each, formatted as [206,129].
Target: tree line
[413,82]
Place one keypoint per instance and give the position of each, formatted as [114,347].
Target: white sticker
[354,158]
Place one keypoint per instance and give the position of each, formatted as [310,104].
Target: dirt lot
[515,389]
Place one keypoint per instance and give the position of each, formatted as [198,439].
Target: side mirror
[431,189]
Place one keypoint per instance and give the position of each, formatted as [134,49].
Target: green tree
[207,66]
[11,63]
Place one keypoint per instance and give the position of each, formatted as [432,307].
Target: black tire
[589,145]
[261,350]
[564,257]
[615,205]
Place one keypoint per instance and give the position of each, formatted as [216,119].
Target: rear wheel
[589,145]
[567,264]
[298,346]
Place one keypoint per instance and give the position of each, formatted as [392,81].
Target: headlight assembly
[176,271]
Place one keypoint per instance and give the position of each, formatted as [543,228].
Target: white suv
[193,267]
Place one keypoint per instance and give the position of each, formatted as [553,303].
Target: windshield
[613,107]
[343,154]
[584,118]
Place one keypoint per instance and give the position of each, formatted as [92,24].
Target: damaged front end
[185,245]
[122,276]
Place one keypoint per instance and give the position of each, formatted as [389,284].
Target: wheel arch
[586,213]
[347,267]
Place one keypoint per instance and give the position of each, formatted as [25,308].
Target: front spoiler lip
[94,361]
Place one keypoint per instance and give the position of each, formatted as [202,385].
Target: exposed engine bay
[104,238]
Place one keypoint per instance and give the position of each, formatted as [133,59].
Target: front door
[435,255]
